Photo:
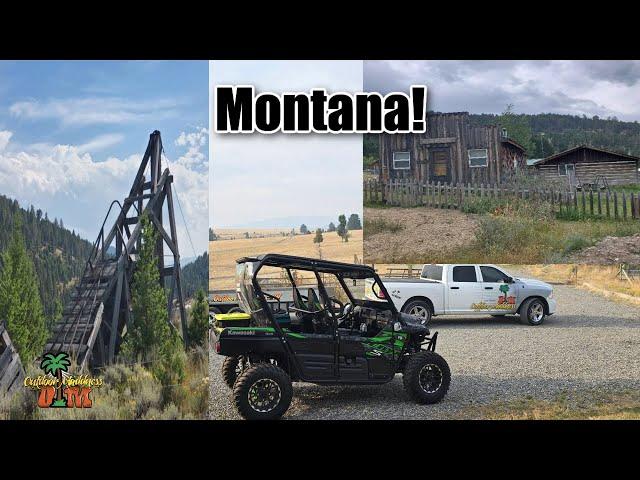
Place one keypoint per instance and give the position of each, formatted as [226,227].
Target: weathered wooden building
[451,151]
[584,164]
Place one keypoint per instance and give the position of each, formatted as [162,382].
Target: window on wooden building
[478,157]
[565,169]
[401,160]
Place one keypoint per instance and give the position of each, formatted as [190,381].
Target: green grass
[527,239]
[633,188]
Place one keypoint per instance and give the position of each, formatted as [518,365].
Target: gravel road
[590,343]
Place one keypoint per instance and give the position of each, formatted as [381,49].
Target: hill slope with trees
[58,255]
[544,134]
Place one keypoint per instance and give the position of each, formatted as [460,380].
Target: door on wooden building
[440,170]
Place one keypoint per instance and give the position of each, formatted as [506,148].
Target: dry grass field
[223,253]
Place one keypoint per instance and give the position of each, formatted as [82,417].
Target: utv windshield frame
[317,266]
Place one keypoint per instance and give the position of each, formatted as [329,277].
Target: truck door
[464,290]
[497,294]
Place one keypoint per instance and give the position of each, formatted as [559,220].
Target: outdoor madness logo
[57,388]
[505,301]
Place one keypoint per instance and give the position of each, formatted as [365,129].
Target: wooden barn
[451,151]
[589,165]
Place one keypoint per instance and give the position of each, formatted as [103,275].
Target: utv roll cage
[341,271]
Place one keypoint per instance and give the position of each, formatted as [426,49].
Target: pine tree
[151,338]
[199,319]
[20,303]
[318,238]
[342,228]
[354,222]
[332,227]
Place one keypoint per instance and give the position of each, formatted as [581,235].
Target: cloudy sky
[72,135]
[281,180]
[604,88]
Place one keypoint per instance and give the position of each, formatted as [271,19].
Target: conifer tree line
[40,264]
[58,255]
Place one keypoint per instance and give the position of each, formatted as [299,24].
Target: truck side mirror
[508,280]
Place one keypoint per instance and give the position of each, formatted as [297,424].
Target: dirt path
[426,234]
[611,250]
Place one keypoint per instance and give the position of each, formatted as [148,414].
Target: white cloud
[575,87]
[101,142]
[65,181]
[94,110]
[195,142]
[5,136]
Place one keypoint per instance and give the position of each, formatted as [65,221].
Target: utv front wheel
[263,392]
[232,367]
[426,377]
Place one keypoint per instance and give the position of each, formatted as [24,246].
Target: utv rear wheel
[426,377]
[533,312]
[263,392]
[420,309]
[231,369]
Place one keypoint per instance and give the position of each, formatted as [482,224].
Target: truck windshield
[432,272]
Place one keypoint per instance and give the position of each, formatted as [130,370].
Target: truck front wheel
[533,312]
[426,377]
[420,309]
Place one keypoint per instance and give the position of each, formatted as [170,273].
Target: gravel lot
[590,343]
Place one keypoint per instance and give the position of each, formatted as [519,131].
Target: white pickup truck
[446,289]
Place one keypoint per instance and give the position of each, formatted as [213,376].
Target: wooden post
[608,209]
[624,205]
[615,204]
[591,202]
[599,204]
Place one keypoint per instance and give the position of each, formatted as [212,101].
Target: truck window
[493,275]
[465,273]
[432,272]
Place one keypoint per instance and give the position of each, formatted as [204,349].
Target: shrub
[374,226]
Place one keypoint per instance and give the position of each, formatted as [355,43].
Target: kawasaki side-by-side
[336,328]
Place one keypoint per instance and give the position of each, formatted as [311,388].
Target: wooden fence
[410,193]
[11,371]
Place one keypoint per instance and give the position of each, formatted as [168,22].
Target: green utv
[333,328]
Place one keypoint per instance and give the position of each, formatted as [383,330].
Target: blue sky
[72,135]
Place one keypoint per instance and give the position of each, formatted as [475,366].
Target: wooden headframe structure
[100,309]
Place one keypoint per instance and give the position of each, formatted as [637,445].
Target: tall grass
[130,392]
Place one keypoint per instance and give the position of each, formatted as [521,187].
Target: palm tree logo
[55,365]
[504,288]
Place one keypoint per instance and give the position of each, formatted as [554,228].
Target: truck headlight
[550,295]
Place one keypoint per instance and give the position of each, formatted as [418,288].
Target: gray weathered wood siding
[451,134]
[616,173]
[591,163]
[11,371]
